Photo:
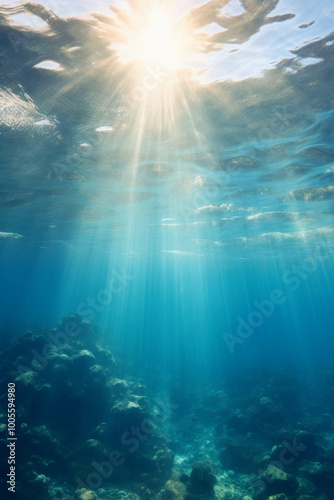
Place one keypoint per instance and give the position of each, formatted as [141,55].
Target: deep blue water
[192,225]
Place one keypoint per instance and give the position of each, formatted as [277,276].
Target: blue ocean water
[185,212]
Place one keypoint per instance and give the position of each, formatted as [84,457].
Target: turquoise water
[186,212]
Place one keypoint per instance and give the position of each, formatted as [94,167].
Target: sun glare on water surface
[157,44]
[162,48]
[153,35]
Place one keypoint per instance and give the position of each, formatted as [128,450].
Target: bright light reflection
[154,36]
[158,43]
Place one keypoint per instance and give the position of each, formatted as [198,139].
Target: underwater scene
[167,250]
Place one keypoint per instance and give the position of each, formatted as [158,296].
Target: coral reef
[78,420]
[202,479]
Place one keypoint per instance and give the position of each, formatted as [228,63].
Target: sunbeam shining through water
[152,37]
[166,238]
